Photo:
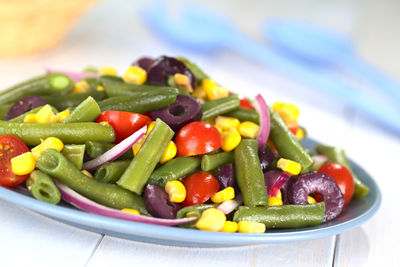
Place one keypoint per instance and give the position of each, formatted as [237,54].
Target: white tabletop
[31,239]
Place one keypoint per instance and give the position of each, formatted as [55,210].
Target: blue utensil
[319,45]
[201,29]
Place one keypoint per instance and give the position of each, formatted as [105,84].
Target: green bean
[118,89]
[197,72]
[94,149]
[338,155]
[21,117]
[72,100]
[110,78]
[173,170]
[136,175]
[243,114]
[49,83]
[86,111]
[93,83]
[70,133]
[55,164]
[286,216]
[287,144]
[111,172]
[249,175]
[210,162]
[4,110]
[151,101]
[42,187]
[75,154]
[219,106]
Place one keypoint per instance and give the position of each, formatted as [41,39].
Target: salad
[165,144]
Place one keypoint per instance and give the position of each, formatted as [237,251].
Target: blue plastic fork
[203,30]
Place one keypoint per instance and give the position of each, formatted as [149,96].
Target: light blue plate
[357,212]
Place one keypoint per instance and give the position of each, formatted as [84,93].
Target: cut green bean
[136,175]
[95,149]
[286,216]
[72,100]
[21,117]
[219,106]
[243,114]
[249,175]
[197,72]
[70,133]
[55,164]
[87,111]
[210,162]
[125,89]
[75,154]
[42,187]
[287,144]
[111,172]
[173,170]
[4,110]
[338,155]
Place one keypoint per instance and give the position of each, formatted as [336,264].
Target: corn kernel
[289,166]
[87,174]
[46,115]
[279,194]
[176,191]
[53,142]
[30,118]
[136,146]
[223,195]
[226,123]
[300,134]
[311,200]
[231,140]
[135,75]
[150,127]
[199,93]
[287,111]
[249,129]
[169,152]
[108,71]
[183,81]
[229,227]
[81,87]
[23,164]
[212,219]
[133,211]
[63,115]
[37,150]
[250,227]
[100,88]
[213,90]
[274,201]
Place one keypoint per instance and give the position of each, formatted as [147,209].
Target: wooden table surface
[30,239]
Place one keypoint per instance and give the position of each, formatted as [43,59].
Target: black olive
[157,202]
[23,105]
[144,63]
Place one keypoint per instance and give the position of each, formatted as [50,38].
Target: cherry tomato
[197,138]
[10,146]
[200,187]
[245,103]
[124,123]
[342,177]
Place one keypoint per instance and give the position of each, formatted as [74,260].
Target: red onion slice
[85,204]
[116,151]
[229,205]
[265,125]
[279,182]
[75,76]
[319,160]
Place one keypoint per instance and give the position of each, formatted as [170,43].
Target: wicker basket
[31,26]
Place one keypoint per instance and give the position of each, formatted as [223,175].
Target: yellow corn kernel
[287,111]
[231,140]
[226,123]
[274,201]
[223,195]
[53,142]
[23,164]
[199,93]
[108,71]
[133,211]
[183,81]
[46,115]
[63,115]
[176,191]
[169,152]
[208,84]
[212,219]
[311,200]
[87,174]
[100,88]
[37,150]
[135,75]
[81,87]
[150,127]
[250,227]
[277,105]
[213,90]
[279,195]
[289,166]
[249,129]
[30,118]
[104,123]
[229,227]
[136,146]
[300,134]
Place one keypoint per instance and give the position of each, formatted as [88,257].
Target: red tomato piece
[124,123]
[10,146]
[200,187]
[197,138]
[342,177]
[245,103]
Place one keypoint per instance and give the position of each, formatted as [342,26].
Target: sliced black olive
[23,105]
[157,202]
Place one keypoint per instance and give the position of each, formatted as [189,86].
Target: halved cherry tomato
[245,103]
[200,187]
[124,123]
[342,177]
[10,146]
[197,138]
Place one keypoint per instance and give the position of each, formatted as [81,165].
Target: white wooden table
[30,239]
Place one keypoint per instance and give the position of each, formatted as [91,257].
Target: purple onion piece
[157,202]
[144,63]
[267,157]
[226,176]
[270,178]
[322,184]
[23,105]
